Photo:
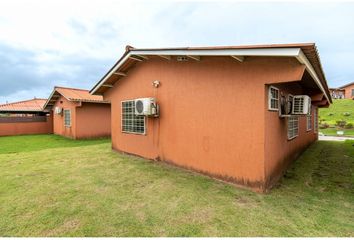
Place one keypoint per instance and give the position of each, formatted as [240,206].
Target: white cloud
[75,42]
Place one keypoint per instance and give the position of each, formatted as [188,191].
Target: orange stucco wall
[58,120]
[88,120]
[212,116]
[23,128]
[348,91]
[93,120]
[279,151]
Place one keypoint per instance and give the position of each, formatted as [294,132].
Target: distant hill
[338,111]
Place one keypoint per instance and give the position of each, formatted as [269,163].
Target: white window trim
[297,133]
[270,98]
[308,128]
[67,110]
[121,120]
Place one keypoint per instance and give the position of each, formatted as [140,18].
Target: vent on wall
[182,58]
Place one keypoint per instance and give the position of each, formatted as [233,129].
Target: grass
[30,143]
[336,112]
[85,189]
[332,131]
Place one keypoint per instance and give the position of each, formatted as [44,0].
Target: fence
[10,126]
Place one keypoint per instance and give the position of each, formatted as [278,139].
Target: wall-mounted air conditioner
[58,110]
[146,107]
[301,105]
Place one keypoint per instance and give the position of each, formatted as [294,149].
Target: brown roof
[309,49]
[346,85]
[74,95]
[33,105]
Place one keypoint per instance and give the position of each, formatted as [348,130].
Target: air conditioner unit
[58,110]
[301,105]
[146,107]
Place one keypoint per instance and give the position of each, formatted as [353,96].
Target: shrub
[346,114]
[349,125]
[324,125]
[341,123]
[330,114]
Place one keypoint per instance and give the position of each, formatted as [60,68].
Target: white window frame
[293,127]
[309,121]
[121,114]
[270,98]
[65,111]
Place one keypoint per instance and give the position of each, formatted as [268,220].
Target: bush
[349,125]
[330,114]
[346,114]
[341,123]
[323,125]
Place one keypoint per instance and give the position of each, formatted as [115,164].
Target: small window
[273,98]
[132,123]
[309,122]
[352,92]
[293,127]
[67,118]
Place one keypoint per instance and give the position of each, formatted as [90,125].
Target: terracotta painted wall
[212,113]
[280,151]
[23,128]
[58,120]
[348,91]
[93,120]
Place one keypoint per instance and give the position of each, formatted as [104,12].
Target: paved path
[334,138]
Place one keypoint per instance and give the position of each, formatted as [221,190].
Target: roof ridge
[28,100]
[79,89]
[268,45]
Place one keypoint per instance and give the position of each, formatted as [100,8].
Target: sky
[74,43]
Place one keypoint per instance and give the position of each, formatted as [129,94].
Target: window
[132,123]
[315,120]
[352,92]
[309,120]
[293,127]
[67,118]
[273,98]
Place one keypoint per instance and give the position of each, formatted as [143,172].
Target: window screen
[293,127]
[67,118]
[309,123]
[132,123]
[273,98]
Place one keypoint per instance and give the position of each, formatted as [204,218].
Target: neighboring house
[218,107]
[337,93]
[24,108]
[77,114]
[346,91]
[25,117]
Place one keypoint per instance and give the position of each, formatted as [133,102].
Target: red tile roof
[33,105]
[74,95]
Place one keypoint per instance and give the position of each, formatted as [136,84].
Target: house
[216,110]
[337,93]
[25,117]
[346,91]
[77,114]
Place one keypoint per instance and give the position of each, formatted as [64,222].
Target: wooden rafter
[197,58]
[238,58]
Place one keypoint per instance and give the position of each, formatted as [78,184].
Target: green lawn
[332,131]
[335,112]
[85,189]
